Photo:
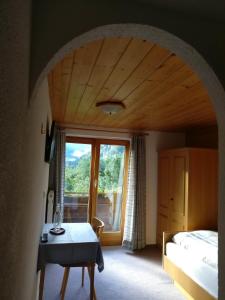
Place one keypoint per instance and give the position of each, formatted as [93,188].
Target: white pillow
[209,236]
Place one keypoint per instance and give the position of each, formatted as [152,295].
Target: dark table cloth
[78,244]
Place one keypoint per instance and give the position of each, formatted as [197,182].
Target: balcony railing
[76,208]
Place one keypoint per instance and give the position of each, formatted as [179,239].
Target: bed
[191,260]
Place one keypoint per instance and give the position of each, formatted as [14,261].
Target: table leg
[64,283]
[92,277]
[41,284]
[82,281]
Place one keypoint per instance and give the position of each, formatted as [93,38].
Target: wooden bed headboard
[167,236]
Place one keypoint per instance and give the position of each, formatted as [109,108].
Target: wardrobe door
[177,205]
[163,195]
[203,188]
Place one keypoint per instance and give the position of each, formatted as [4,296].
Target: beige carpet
[127,276]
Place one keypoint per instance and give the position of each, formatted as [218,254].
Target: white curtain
[135,217]
[60,169]
[57,171]
[118,202]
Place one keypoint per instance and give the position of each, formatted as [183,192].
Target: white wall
[36,171]
[154,142]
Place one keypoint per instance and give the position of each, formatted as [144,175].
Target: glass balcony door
[111,177]
[95,179]
[78,169]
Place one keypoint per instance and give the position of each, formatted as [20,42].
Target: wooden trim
[85,140]
[79,140]
[113,142]
[183,291]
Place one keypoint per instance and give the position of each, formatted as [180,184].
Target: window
[95,177]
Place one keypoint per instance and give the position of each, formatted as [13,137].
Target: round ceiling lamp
[110,107]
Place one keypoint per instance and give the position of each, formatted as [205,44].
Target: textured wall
[36,174]
[14,76]
[57,22]
[23,173]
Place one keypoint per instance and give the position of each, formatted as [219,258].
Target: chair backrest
[98,226]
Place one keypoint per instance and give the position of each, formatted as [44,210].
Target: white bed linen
[202,273]
[202,243]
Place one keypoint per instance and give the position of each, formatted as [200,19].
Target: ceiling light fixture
[110,107]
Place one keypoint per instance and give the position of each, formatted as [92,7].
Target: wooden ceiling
[159,91]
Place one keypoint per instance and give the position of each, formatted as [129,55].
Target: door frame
[108,238]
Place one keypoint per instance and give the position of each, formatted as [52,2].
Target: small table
[78,245]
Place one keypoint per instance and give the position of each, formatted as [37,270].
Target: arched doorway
[197,63]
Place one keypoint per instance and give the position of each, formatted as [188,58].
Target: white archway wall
[198,64]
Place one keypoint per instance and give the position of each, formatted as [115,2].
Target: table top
[78,244]
[75,233]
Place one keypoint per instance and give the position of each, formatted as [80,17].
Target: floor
[127,275]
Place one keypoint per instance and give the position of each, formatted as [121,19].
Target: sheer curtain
[60,168]
[118,208]
[57,170]
[135,217]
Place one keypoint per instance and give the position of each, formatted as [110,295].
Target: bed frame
[188,286]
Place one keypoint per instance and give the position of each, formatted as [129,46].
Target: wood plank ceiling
[159,91]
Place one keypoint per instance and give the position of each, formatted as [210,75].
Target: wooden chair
[98,227]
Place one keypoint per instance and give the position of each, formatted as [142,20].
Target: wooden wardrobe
[187,190]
